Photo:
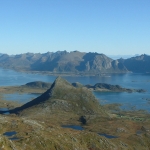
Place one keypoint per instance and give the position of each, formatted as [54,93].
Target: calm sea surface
[129,100]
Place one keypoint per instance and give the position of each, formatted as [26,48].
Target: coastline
[105,74]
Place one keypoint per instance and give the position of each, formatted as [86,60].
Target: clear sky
[104,26]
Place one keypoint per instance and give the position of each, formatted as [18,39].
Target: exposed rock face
[64,62]
[62,96]
[138,64]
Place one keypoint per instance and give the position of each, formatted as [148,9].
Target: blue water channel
[21,98]
[129,101]
[75,127]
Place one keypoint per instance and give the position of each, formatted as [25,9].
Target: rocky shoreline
[104,87]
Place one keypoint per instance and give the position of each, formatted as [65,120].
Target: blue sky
[112,27]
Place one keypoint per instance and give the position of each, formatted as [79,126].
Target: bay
[130,80]
[21,98]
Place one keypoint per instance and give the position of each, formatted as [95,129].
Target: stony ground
[45,132]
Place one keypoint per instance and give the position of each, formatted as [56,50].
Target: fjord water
[12,78]
[130,80]
[21,98]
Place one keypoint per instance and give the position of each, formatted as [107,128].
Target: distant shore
[107,74]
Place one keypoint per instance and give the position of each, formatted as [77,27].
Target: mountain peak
[60,83]
[60,80]
[62,96]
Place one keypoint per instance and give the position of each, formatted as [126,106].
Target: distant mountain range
[74,62]
[138,64]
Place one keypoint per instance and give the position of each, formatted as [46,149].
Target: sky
[111,27]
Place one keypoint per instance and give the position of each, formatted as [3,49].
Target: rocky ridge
[62,96]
